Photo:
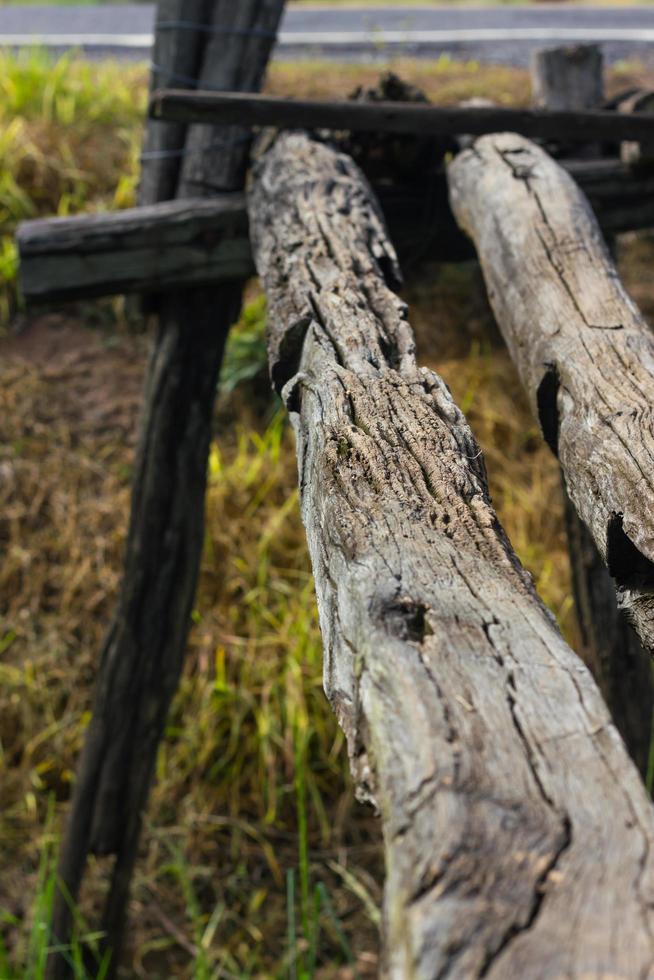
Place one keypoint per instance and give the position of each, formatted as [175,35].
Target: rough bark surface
[174,243]
[518,835]
[583,350]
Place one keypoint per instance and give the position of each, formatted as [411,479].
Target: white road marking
[344,38]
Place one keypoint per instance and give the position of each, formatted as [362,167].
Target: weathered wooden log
[143,652]
[569,77]
[172,244]
[175,61]
[395,117]
[572,78]
[584,352]
[518,836]
[201,241]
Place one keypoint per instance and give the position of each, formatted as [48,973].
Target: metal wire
[214,145]
[187,25]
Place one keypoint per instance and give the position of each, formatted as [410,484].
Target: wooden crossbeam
[191,241]
[396,117]
[174,243]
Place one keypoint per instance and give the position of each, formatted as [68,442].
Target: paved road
[491,34]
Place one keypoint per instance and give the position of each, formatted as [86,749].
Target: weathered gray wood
[518,836]
[174,243]
[568,77]
[175,61]
[144,650]
[583,350]
[572,78]
[395,117]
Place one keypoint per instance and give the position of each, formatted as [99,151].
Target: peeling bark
[584,351]
[517,832]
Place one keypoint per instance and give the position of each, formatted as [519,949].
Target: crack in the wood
[524,174]
[539,898]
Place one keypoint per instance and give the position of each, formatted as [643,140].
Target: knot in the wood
[403,618]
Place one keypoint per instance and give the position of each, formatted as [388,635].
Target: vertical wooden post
[572,78]
[143,653]
[568,77]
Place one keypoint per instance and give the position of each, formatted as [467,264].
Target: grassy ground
[256,860]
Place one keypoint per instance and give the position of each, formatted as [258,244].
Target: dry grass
[252,753]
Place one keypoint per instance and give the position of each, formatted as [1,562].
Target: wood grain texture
[584,352]
[235,57]
[166,245]
[572,77]
[175,61]
[518,836]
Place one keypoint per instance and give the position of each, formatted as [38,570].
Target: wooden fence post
[518,835]
[572,78]
[143,653]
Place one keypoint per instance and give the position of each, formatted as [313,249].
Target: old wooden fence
[518,833]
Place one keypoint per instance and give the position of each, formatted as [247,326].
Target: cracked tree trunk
[518,835]
[583,350]
[143,653]
[572,78]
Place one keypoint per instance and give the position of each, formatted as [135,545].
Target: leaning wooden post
[143,653]
[572,78]
[518,836]
[176,60]
[583,350]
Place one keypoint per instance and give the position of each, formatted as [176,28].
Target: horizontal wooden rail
[584,351]
[396,117]
[518,836]
[200,241]
[142,249]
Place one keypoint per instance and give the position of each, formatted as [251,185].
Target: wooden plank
[396,117]
[584,352]
[174,243]
[518,836]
